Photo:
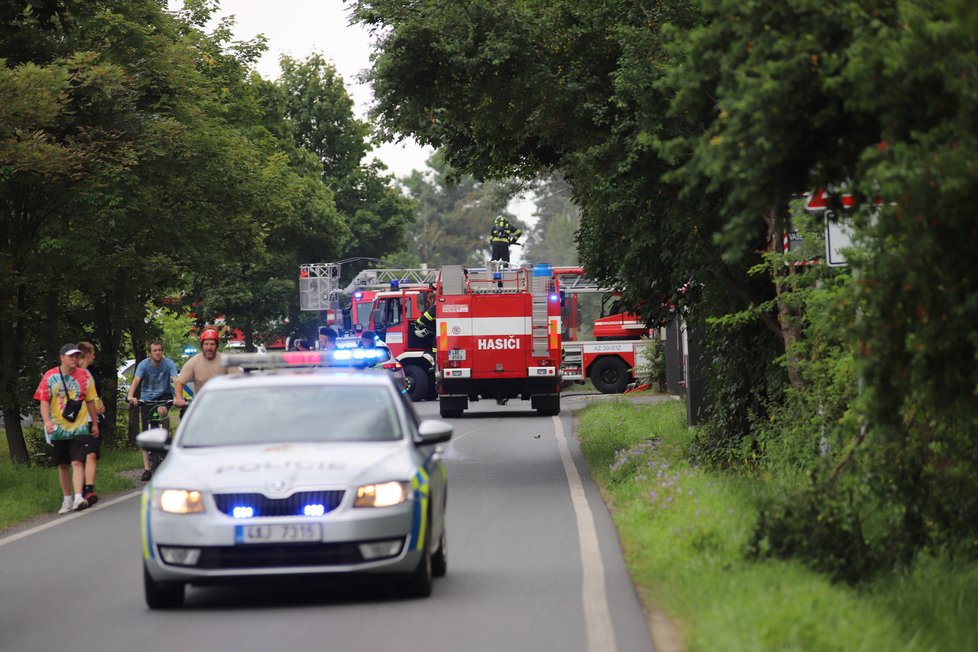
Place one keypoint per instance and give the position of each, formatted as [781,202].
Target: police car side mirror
[434,431]
[154,439]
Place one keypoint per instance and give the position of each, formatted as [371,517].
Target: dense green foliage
[683,529]
[686,130]
[142,160]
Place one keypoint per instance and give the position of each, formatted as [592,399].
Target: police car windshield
[267,415]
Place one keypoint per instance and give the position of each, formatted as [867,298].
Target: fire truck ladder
[574,284]
[540,287]
[380,279]
[318,285]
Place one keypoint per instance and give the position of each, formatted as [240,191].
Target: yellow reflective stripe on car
[419,483]
[144,517]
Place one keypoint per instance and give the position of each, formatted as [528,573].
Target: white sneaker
[66,507]
[79,504]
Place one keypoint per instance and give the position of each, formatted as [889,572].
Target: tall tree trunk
[249,334]
[9,373]
[789,318]
[107,336]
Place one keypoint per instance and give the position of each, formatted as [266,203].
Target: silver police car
[301,472]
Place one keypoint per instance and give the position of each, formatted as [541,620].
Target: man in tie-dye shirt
[64,383]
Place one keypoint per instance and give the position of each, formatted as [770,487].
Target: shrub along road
[686,534]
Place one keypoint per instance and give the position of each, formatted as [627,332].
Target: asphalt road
[534,564]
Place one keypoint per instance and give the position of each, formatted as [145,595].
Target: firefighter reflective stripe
[144,511]
[443,335]
[503,231]
[419,483]
[555,333]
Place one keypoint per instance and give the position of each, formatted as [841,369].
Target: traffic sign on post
[838,236]
[838,225]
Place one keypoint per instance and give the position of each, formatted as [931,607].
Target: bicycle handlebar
[156,402]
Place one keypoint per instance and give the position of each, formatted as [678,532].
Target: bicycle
[156,420]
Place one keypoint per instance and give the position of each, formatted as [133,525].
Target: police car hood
[281,468]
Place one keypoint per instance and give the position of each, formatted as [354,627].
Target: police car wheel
[418,585]
[162,595]
[439,561]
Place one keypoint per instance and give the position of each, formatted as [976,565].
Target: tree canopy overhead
[142,160]
[686,131]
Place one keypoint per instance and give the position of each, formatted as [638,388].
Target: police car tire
[419,386]
[439,561]
[162,595]
[419,583]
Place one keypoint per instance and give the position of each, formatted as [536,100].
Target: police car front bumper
[212,547]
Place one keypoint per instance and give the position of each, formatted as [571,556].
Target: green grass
[29,491]
[684,531]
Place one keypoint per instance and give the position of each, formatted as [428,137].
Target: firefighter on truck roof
[501,236]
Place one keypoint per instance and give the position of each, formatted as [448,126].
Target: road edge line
[64,519]
[597,614]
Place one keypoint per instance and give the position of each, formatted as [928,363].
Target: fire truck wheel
[417,382]
[609,375]
[447,413]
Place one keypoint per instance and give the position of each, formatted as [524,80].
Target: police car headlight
[180,501]
[384,494]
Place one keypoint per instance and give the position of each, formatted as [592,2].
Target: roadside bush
[824,532]
[652,370]
[743,382]
[38,449]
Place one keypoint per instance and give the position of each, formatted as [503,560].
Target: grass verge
[684,531]
[29,491]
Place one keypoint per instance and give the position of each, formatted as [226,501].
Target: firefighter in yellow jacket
[501,236]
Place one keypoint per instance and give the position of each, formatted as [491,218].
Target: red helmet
[209,334]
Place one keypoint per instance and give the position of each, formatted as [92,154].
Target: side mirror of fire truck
[347,320]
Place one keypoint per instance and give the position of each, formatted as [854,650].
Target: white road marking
[597,614]
[67,517]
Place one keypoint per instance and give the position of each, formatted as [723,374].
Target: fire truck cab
[392,319]
[498,337]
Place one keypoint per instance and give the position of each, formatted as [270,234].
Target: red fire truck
[401,295]
[392,318]
[609,360]
[498,337]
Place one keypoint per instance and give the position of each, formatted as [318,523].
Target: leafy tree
[321,119]
[133,163]
[516,88]
[685,132]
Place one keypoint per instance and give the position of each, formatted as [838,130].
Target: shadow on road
[294,592]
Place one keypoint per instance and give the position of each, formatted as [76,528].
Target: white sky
[300,27]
